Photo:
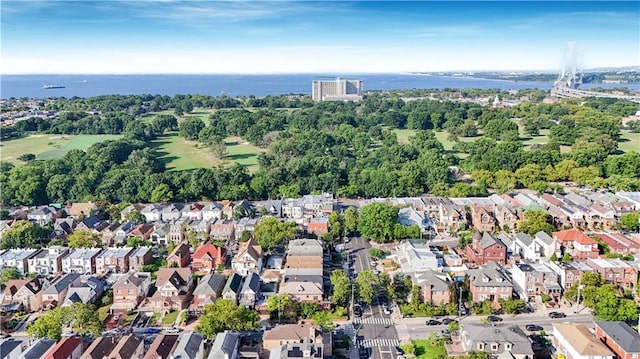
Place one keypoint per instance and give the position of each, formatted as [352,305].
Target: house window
[480,346]
[494,347]
[507,346]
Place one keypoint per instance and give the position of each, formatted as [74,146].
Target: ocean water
[236,85]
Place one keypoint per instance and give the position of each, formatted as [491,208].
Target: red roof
[210,249]
[574,235]
[64,348]
[610,241]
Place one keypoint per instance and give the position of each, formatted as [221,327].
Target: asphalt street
[375,330]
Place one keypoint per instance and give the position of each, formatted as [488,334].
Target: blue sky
[115,37]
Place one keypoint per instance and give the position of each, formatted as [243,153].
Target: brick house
[319,225]
[434,287]
[181,256]
[67,348]
[485,248]
[129,291]
[141,256]
[489,282]
[620,338]
[174,289]
[208,257]
[27,292]
[482,219]
[114,260]
[615,271]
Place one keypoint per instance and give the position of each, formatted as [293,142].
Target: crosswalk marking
[377,342]
[374,320]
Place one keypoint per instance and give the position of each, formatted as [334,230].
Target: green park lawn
[426,349]
[181,154]
[629,142]
[48,146]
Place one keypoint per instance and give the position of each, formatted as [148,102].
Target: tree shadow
[240,156]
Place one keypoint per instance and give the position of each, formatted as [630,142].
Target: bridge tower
[571,74]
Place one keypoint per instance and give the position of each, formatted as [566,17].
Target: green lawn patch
[242,152]
[403,134]
[427,349]
[629,142]
[180,154]
[103,312]
[170,318]
[48,146]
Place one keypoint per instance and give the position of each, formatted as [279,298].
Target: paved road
[416,328]
[374,330]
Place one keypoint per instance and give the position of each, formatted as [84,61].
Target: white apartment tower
[337,90]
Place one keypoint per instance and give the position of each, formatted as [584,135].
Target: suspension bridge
[570,79]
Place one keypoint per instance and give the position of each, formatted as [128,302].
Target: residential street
[375,330]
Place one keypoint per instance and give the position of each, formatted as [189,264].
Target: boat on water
[47,87]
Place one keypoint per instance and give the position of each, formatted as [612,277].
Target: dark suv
[433,322]
[557,315]
[357,311]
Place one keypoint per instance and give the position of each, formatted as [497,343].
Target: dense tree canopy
[224,315]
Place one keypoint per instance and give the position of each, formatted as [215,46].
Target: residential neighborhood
[153,281]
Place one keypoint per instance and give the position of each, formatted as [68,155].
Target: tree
[377,221]
[350,220]
[9,273]
[270,232]
[84,239]
[630,221]
[223,315]
[366,282]
[162,193]
[512,306]
[136,217]
[322,319]
[336,225]
[82,318]
[24,234]
[307,310]
[191,127]
[26,157]
[282,306]
[535,220]
[341,288]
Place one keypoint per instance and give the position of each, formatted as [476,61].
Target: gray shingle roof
[210,283]
[37,349]
[224,345]
[188,346]
[499,334]
[622,334]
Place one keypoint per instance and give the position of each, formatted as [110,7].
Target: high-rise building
[337,90]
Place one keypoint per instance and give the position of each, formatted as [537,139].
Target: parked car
[386,310]
[364,352]
[447,321]
[433,322]
[533,327]
[557,315]
[357,311]
[493,318]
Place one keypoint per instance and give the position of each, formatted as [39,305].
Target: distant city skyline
[261,37]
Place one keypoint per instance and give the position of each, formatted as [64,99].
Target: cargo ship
[47,87]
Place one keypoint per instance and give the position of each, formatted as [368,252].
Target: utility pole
[578,297]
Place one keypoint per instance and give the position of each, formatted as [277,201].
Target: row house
[272,207]
[18,258]
[452,218]
[37,349]
[533,279]
[600,216]
[180,256]
[275,338]
[507,217]
[160,235]
[67,348]
[208,290]
[134,207]
[193,211]
[576,243]
[114,260]
[174,288]
[207,258]
[482,219]
[570,273]
[223,229]
[47,261]
[42,215]
[121,234]
[408,216]
[615,271]
[128,347]
[163,345]
[232,288]
[318,205]
[417,257]
[152,212]
[81,260]
[619,243]
[620,337]
[171,212]
[82,209]
[630,197]
[250,290]
[575,341]
[129,291]
[140,257]
[199,227]
[319,225]
[92,223]
[86,289]
[63,227]
[108,233]
[212,211]
[489,282]
[142,231]
[25,292]
[302,291]
[248,259]
[485,248]
[245,225]
[176,230]
[55,294]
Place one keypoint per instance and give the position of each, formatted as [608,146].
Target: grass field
[181,154]
[48,146]
[426,349]
[629,142]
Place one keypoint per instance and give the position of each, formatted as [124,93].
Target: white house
[18,258]
[81,260]
[415,257]
[248,259]
[48,261]
[212,211]
[152,212]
